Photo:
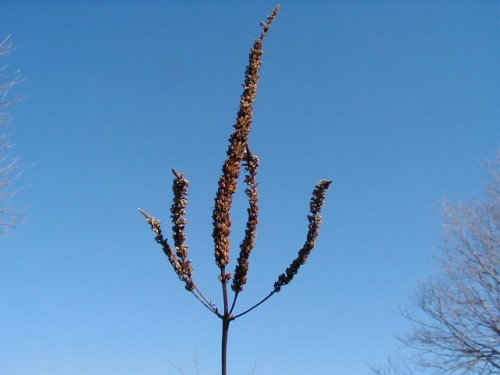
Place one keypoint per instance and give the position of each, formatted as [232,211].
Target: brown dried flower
[172,257]
[317,201]
[235,153]
[179,221]
[248,243]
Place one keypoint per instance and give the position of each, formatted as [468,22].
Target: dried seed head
[241,271]
[178,211]
[172,257]
[317,201]
[236,151]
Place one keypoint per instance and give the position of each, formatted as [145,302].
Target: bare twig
[456,325]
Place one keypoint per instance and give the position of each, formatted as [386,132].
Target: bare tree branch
[393,367]
[456,325]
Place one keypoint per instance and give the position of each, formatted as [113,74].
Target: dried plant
[238,155]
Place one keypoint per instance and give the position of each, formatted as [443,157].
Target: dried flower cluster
[176,263]
[236,151]
[240,274]
[317,201]
[238,155]
[179,221]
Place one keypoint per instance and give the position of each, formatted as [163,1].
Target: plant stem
[225,329]
[254,306]
[234,303]
[226,319]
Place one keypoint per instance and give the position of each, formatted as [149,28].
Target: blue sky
[395,101]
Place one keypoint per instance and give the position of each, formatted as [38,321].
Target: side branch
[317,201]
[177,265]
[254,306]
[248,243]
[172,257]
[178,211]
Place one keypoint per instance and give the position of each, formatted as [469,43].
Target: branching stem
[238,155]
[234,302]
[254,306]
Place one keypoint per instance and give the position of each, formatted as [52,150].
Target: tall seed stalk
[239,156]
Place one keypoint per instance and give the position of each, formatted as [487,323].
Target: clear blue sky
[396,101]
